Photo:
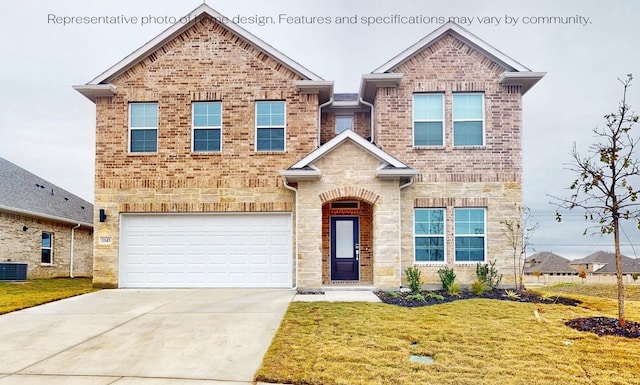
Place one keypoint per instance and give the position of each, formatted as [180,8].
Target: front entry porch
[347,243]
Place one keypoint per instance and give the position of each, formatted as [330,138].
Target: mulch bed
[598,325]
[605,326]
[400,298]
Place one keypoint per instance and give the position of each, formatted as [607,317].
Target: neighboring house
[43,225]
[604,263]
[549,264]
[221,162]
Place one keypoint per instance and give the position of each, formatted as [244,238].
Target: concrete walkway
[339,296]
[142,337]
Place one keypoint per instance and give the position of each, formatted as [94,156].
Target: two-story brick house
[221,162]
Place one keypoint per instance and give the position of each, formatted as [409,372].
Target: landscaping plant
[447,276]
[413,277]
[488,274]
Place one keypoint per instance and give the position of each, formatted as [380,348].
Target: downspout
[71,256]
[373,110]
[320,118]
[295,191]
[409,183]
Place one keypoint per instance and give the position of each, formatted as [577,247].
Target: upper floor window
[143,127]
[207,126]
[270,125]
[468,119]
[47,249]
[428,119]
[429,228]
[344,123]
[470,235]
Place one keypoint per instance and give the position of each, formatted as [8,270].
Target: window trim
[414,120]
[194,128]
[453,120]
[129,147]
[257,127]
[484,236]
[50,248]
[443,235]
[351,117]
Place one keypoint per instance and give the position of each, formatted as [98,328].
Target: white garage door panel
[218,250]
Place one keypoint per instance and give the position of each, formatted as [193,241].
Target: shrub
[413,276]
[635,276]
[447,276]
[454,289]
[435,296]
[479,287]
[487,272]
[416,297]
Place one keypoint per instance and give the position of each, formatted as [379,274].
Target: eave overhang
[94,91]
[54,218]
[324,89]
[371,82]
[524,79]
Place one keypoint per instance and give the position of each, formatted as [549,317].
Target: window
[143,127]
[428,118]
[207,126]
[270,123]
[468,119]
[47,249]
[429,235]
[344,123]
[470,235]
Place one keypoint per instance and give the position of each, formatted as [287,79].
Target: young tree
[519,232]
[603,185]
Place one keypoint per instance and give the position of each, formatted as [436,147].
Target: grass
[21,295]
[473,342]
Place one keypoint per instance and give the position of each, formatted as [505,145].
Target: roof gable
[390,168]
[514,72]
[194,17]
[25,193]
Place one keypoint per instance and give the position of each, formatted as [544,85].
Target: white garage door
[205,250]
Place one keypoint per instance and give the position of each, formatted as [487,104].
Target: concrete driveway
[142,337]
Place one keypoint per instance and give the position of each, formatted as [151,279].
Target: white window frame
[483,235]
[344,117]
[195,128]
[454,120]
[283,127]
[129,147]
[443,235]
[50,248]
[414,120]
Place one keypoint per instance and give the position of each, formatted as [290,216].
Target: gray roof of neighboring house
[25,193]
[547,263]
[629,265]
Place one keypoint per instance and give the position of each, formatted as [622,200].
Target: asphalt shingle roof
[629,265]
[547,263]
[24,191]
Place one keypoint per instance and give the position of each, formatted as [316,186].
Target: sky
[47,127]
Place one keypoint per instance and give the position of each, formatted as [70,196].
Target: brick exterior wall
[208,63]
[489,176]
[26,246]
[204,63]
[361,124]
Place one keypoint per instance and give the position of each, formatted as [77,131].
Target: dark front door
[345,249]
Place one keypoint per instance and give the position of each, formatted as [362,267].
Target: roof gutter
[295,191]
[373,110]
[30,213]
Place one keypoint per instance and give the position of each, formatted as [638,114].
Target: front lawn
[20,295]
[475,341]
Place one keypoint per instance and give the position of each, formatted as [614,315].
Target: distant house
[602,262]
[548,263]
[43,225]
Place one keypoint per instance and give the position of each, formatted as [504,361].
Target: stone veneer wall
[348,172]
[26,246]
